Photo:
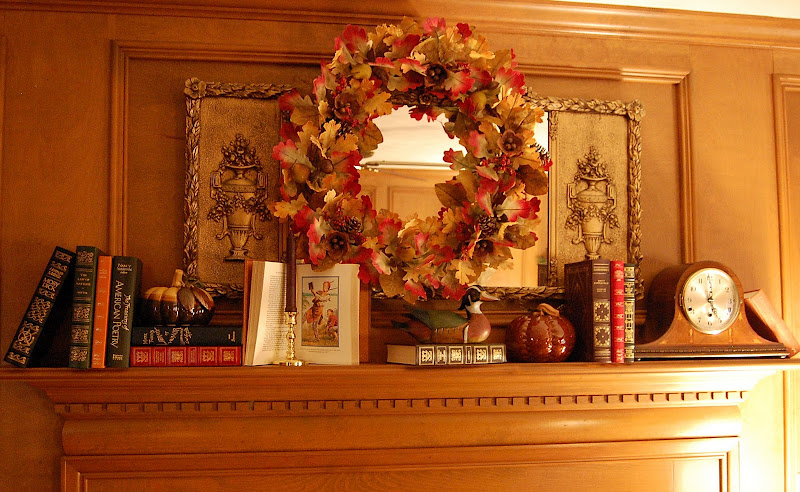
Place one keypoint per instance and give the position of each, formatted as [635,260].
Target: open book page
[327,325]
[266,338]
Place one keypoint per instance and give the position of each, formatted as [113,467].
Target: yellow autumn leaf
[290,208]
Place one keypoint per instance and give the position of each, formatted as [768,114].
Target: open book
[327,317]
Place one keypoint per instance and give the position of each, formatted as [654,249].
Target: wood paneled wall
[92,135]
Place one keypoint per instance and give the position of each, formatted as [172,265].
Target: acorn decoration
[542,335]
[180,304]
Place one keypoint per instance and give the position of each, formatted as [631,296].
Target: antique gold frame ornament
[591,197]
[235,185]
[629,178]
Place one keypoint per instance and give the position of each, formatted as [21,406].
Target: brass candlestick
[290,360]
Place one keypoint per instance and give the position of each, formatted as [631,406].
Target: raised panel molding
[123,52]
[784,84]
[592,21]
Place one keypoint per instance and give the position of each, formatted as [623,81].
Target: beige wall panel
[762,437]
[156,143]
[660,157]
[734,153]
[55,147]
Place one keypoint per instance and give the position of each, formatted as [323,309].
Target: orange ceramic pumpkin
[180,304]
[542,335]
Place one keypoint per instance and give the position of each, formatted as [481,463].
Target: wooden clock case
[667,334]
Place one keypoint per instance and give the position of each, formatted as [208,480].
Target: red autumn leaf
[464,29]
[434,25]
[354,38]
[511,78]
[459,82]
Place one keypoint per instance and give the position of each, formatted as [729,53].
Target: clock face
[710,300]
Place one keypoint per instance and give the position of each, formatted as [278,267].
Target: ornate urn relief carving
[592,202]
[238,188]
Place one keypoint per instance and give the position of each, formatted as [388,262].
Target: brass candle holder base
[290,360]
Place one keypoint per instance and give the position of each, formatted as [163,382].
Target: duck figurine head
[437,326]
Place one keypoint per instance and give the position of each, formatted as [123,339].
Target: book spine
[617,311]
[630,311]
[199,336]
[601,309]
[50,286]
[465,354]
[185,356]
[126,280]
[100,323]
[83,293]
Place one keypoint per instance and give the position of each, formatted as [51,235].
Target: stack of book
[82,315]
[601,304]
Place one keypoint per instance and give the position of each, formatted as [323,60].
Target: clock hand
[710,289]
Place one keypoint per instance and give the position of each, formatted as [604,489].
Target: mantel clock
[697,310]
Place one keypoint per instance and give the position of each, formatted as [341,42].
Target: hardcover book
[445,354]
[630,312]
[587,291]
[179,356]
[47,318]
[126,282]
[767,322]
[617,311]
[198,336]
[83,297]
[327,318]
[100,322]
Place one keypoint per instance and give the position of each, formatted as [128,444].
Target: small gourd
[180,304]
[542,335]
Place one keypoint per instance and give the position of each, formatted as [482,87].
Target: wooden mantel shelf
[396,427]
[710,379]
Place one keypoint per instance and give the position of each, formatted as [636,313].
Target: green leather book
[126,282]
[83,293]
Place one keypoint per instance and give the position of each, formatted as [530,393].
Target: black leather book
[44,320]
[198,336]
[126,282]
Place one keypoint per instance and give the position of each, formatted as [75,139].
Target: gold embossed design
[238,189]
[26,336]
[39,309]
[592,201]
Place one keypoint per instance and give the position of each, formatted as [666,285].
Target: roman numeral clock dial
[697,310]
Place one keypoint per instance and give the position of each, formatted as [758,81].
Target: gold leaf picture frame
[595,145]
[231,129]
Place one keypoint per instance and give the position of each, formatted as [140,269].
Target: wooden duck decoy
[436,326]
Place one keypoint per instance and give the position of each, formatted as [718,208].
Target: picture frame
[596,146]
[231,176]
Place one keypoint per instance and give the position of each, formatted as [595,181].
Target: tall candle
[291,272]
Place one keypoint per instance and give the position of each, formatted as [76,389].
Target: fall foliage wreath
[489,205]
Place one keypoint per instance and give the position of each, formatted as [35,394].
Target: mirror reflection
[401,174]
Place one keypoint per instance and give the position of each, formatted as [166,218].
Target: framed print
[230,180]
[595,185]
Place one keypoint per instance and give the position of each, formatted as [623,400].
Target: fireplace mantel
[396,426]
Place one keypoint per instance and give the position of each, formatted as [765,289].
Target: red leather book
[617,311]
[182,356]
